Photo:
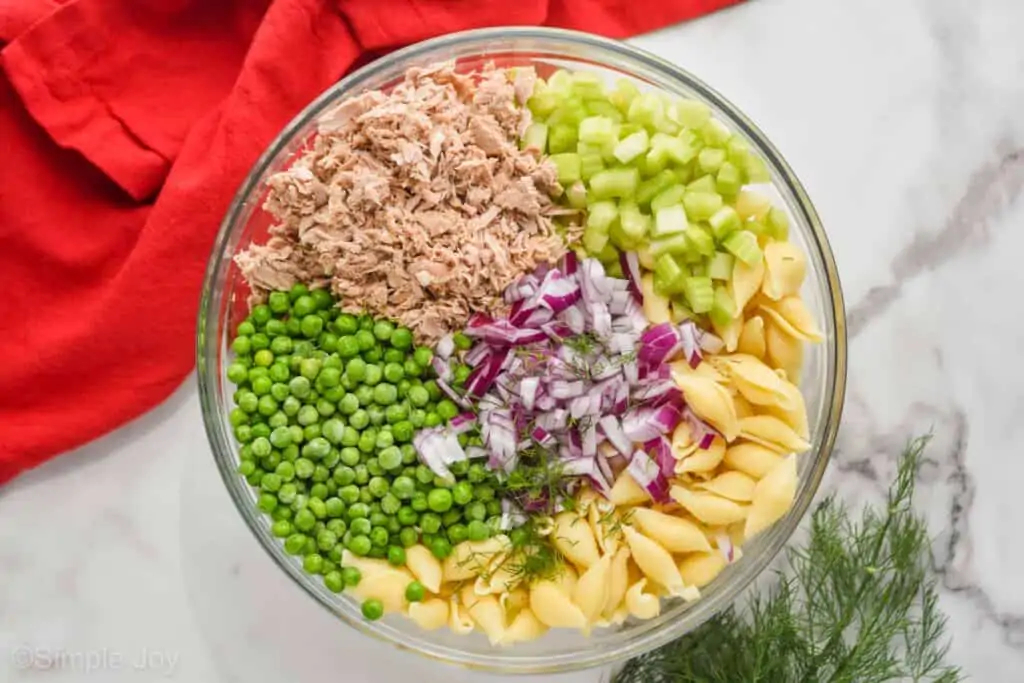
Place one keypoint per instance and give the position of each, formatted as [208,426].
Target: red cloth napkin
[126,127]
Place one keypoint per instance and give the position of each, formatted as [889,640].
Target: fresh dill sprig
[856,606]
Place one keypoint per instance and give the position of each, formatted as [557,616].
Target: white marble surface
[904,120]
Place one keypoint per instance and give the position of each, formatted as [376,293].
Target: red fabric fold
[127,127]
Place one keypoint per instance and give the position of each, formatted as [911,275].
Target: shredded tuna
[417,204]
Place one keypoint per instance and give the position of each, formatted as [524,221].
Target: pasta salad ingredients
[556,433]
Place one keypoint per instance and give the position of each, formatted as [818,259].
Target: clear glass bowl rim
[629,57]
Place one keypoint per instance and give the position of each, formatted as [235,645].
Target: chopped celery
[699,293]
[711,159]
[752,204]
[600,215]
[647,109]
[536,137]
[623,95]
[594,240]
[698,268]
[570,111]
[561,138]
[692,114]
[720,266]
[669,220]
[758,227]
[608,148]
[588,84]
[701,206]
[723,309]
[680,149]
[684,173]
[591,164]
[756,170]
[627,129]
[568,165]
[543,101]
[778,223]
[669,123]
[561,82]
[729,180]
[705,183]
[632,146]
[680,311]
[650,188]
[701,241]
[603,108]
[673,194]
[608,254]
[633,224]
[724,221]
[715,133]
[615,182]
[646,256]
[597,130]
[738,150]
[676,244]
[743,245]
[576,195]
[669,276]
[695,260]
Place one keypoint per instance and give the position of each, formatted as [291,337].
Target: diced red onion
[725,547]
[701,432]
[587,467]
[616,437]
[648,474]
[462,423]
[630,263]
[661,452]
[690,340]
[441,368]
[430,445]
[445,347]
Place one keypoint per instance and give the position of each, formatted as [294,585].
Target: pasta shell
[470,558]
[703,460]
[655,306]
[513,602]
[746,281]
[553,607]
[752,459]
[758,383]
[743,407]
[772,498]
[626,491]
[604,525]
[785,352]
[700,569]
[682,438]
[459,621]
[675,534]
[707,507]
[566,579]
[367,566]
[732,485]
[591,593]
[526,626]
[425,567]
[429,614]
[772,433]
[618,582]
[792,316]
[785,268]
[751,339]
[486,613]
[640,604]
[388,587]
[654,561]
[573,537]
[500,577]
[796,414]
[710,402]
[707,369]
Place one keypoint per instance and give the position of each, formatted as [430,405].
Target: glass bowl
[224,300]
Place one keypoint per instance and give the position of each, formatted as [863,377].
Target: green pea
[382,330]
[310,368]
[282,528]
[349,404]
[335,508]
[295,544]
[351,575]
[325,408]
[364,394]
[390,457]
[304,468]
[267,502]
[484,492]
[411,369]
[423,356]
[362,474]
[374,374]
[430,523]
[237,373]
[408,537]
[376,415]
[261,431]
[378,486]
[243,433]
[478,531]
[346,324]
[356,369]
[366,340]
[329,377]
[440,547]
[333,430]
[432,420]
[246,328]
[350,437]
[334,582]
[409,456]
[462,493]
[349,494]
[396,557]
[390,504]
[303,306]
[358,511]
[477,473]
[259,341]
[318,507]
[260,385]
[373,609]
[313,564]
[360,419]
[379,536]
[287,493]
[343,476]
[457,533]
[394,373]
[418,502]
[317,448]
[361,526]
[476,510]
[401,338]
[378,518]
[407,516]
[360,545]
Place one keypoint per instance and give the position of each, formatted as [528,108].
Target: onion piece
[647,473]
[630,263]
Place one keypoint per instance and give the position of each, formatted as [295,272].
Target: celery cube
[724,221]
[705,183]
[568,165]
[715,133]
[723,308]
[738,150]
[701,241]
[623,95]
[700,206]
[669,196]
[603,108]
[752,204]
[632,147]
[756,170]
[597,130]
[649,165]
[778,223]
[676,244]
[561,138]
[594,240]
[680,311]
[588,84]
[699,293]
[669,220]
[692,114]
[684,173]
[601,214]
[729,180]
[536,137]
[591,164]
[669,274]
[561,82]
[608,254]
[678,149]
[650,188]
[576,195]
[646,109]
[711,159]
[570,111]
[633,224]
[615,182]
[720,266]
[743,245]
[646,256]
